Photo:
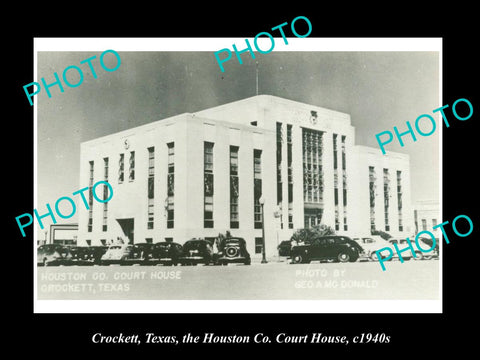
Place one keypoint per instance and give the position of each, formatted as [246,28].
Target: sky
[378,90]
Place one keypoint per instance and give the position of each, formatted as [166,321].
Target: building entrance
[127,226]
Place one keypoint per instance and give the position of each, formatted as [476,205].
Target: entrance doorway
[127,226]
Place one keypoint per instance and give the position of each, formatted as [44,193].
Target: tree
[384,235]
[302,235]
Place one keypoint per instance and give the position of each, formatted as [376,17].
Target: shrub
[315,231]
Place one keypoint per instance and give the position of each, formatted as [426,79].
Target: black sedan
[233,250]
[196,251]
[284,248]
[327,248]
[165,253]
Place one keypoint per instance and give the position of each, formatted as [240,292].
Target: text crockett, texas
[64,75]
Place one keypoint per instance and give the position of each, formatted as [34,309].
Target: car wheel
[419,255]
[297,259]
[248,262]
[343,257]
[427,257]
[374,256]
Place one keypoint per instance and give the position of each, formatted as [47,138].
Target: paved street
[412,280]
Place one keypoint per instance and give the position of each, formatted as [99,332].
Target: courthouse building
[201,174]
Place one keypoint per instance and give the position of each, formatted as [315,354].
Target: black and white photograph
[267,183]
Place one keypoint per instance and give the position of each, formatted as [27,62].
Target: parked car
[401,244]
[370,245]
[96,252]
[329,248]
[116,254]
[140,253]
[233,250]
[53,254]
[196,251]
[166,253]
[284,248]
[80,255]
[426,244]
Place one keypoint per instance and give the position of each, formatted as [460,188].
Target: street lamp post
[262,202]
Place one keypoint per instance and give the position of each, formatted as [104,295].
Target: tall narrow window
[335,162]
[399,200]
[131,172]
[372,188]
[335,182]
[257,186]
[279,170]
[90,198]
[105,195]
[312,150]
[258,245]
[208,184]
[171,186]
[344,183]
[386,197]
[290,176]
[151,188]
[121,169]
[234,190]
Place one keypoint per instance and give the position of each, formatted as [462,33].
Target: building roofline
[265,99]
[363,149]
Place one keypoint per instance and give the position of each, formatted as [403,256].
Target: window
[208,212]
[149,240]
[257,184]
[335,151]
[335,182]
[312,166]
[279,135]
[399,200]
[258,245]
[234,191]
[90,198]
[386,197]
[150,214]
[344,183]
[434,222]
[344,158]
[121,169]
[131,173]
[150,190]
[171,186]
[424,224]
[105,195]
[105,216]
[105,168]
[372,187]
[208,184]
